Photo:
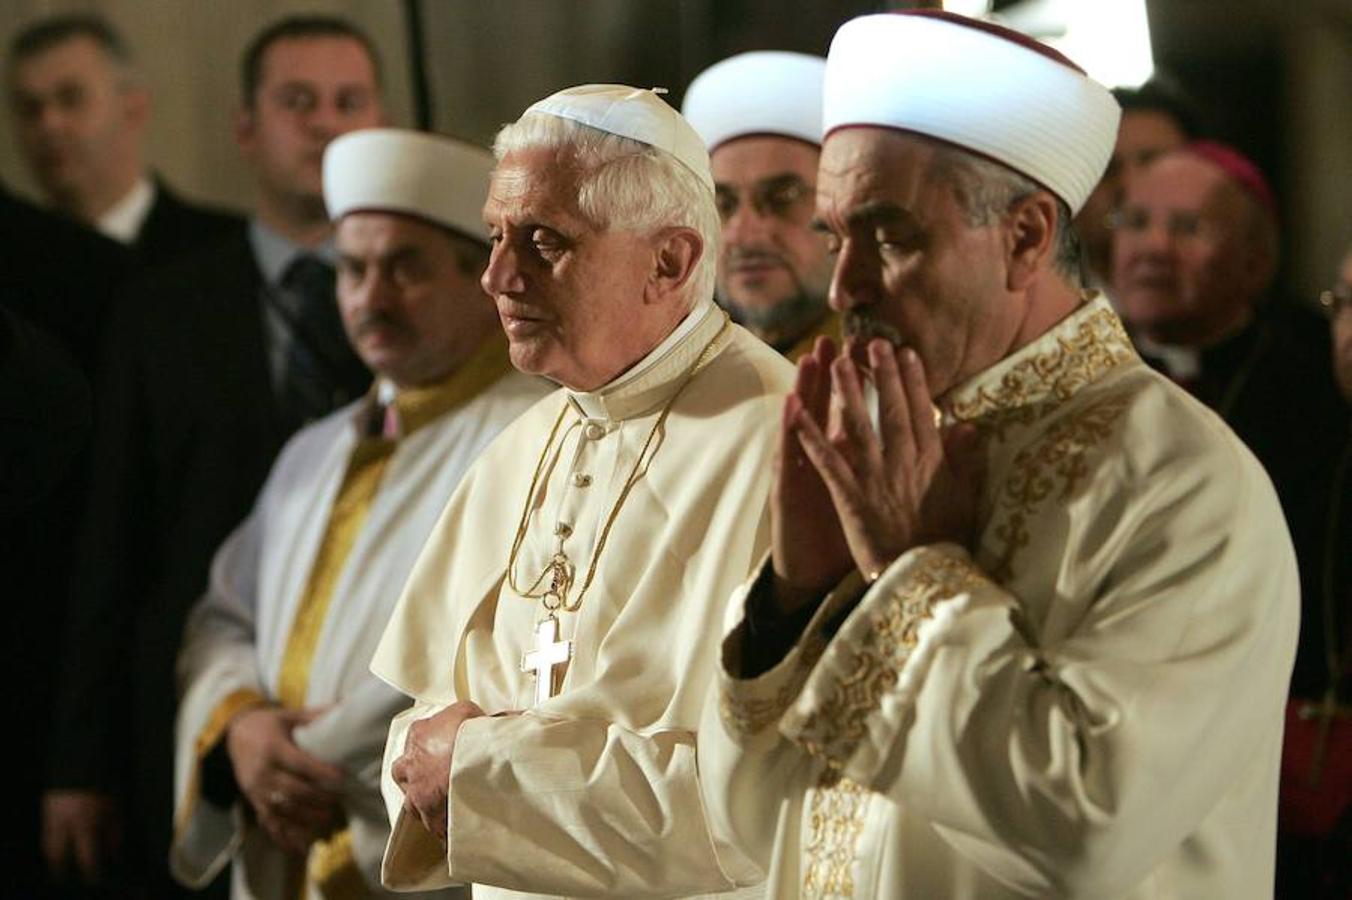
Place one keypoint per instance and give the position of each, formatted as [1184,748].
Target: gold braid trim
[1095,346]
[837,725]
[745,715]
[1055,464]
[332,868]
[837,811]
[230,706]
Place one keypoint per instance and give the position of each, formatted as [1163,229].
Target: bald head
[1193,253]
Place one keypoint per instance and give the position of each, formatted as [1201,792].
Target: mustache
[739,255]
[373,321]
[865,326]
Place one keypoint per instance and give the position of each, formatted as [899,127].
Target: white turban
[765,92]
[633,113]
[979,86]
[395,170]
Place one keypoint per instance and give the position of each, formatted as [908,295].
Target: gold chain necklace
[560,569]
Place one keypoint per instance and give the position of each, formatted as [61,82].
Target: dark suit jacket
[56,281]
[45,419]
[185,432]
[175,227]
[58,275]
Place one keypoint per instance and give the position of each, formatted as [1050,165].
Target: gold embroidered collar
[652,380]
[1078,351]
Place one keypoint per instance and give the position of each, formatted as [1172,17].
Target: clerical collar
[1073,354]
[123,220]
[418,406]
[649,382]
[1180,363]
[275,253]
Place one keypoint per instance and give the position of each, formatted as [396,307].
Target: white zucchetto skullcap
[633,113]
[979,86]
[435,178]
[771,92]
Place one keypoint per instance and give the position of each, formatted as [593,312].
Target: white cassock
[257,634]
[1090,706]
[595,791]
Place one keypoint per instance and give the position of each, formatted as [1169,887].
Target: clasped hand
[847,496]
[294,795]
[423,772]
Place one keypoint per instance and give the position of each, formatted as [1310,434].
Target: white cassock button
[581,479]
[563,529]
[594,432]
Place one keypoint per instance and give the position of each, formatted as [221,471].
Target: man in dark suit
[210,363]
[39,280]
[80,111]
[49,314]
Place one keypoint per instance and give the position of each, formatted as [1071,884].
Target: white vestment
[594,792]
[1090,705]
[237,638]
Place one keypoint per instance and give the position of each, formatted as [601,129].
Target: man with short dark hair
[1025,630]
[80,110]
[211,363]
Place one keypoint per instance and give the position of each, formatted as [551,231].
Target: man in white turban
[558,635]
[281,727]
[1034,643]
[760,115]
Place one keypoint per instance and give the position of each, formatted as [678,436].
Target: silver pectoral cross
[547,659]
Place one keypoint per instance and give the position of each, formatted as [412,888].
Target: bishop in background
[558,635]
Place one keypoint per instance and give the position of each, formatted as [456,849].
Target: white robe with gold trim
[595,792]
[1090,705]
[236,637]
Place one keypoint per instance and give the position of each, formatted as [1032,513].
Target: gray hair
[626,185]
[986,190]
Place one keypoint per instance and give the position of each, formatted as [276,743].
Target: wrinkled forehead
[867,164]
[534,183]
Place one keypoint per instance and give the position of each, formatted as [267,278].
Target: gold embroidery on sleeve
[746,715]
[835,728]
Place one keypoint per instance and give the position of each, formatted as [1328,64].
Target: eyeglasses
[1179,225]
[785,198]
[1336,300]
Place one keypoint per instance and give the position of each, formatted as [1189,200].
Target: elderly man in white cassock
[282,726]
[760,115]
[1036,643]
[558,635]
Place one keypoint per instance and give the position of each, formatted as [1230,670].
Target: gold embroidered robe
[298,596]
[594,792]
[1087,705]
